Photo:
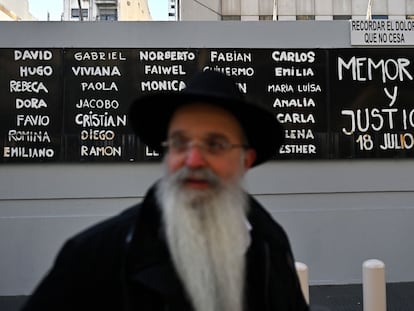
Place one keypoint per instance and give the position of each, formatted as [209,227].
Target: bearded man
[198,241]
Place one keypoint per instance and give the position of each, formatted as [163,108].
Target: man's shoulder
[110,228]
[110,232]
[263,223]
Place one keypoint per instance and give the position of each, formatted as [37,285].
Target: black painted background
[328,137]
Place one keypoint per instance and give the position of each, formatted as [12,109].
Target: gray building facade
[248,10]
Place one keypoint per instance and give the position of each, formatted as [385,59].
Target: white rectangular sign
[382,32]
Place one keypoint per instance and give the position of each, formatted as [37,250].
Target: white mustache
[195,173]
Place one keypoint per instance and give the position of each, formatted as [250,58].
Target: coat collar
[149,261]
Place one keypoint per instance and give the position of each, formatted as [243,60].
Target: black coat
[123,264]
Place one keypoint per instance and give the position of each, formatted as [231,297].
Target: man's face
[204,206]
[200,127]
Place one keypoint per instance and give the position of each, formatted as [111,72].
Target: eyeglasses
[211,146]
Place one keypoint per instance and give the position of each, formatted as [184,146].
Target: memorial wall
[71,104]
[343,192]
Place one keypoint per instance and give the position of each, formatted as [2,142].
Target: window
[108,17]
[305,17]
[342,17]
[75,13]
[265,17]
[108,14]
[379,16]
[230,17]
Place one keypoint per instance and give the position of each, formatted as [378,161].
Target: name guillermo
[232,71]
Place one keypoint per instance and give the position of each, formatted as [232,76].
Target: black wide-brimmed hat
[150,114]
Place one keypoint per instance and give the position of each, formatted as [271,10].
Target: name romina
[71,104]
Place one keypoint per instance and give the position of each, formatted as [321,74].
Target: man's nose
[195,157]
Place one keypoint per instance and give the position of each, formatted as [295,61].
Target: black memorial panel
[71,105]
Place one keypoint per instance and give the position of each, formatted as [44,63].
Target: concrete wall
[337,213]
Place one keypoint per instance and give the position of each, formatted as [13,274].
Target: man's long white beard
[208,236]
